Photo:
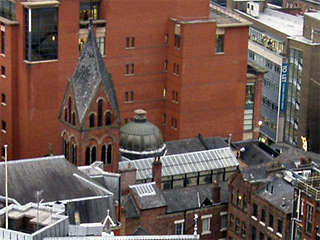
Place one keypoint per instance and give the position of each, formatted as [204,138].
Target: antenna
[38,203]
[6,172]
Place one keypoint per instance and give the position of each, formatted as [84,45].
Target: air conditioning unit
[253,9]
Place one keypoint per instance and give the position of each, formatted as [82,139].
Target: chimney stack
[156,171]
[128,177]
[216,191]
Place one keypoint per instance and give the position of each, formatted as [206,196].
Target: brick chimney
[156,171]
[216,191]
[128,177]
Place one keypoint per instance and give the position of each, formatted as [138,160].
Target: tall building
[177,60]
[288,47]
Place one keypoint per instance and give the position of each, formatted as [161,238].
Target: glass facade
[270,94]
[89,10]
[266,40]
[293,96]
[41,34]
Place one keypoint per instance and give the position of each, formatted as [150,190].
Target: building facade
[290,53]
[152,50]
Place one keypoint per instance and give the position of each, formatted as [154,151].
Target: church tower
[89,114]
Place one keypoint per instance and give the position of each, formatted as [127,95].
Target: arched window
[100,109]
[108,118]
[109,154]
[88,156]
[73,118]
[74,154]
[66,149]
[69,108]
[94,154]
[103,154]
[66,115]
[91,120]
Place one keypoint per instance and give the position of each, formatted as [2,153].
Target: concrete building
[288,47]
[151,48]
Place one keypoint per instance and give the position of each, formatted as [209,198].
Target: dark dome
[140,138]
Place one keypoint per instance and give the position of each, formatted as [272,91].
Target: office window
[130,42]
[4,126]
[176,69]
[129,69]
[263,216]
[164,92]
[243,230]
[91,120]
[231,223]
[3,71]
[101,43]
[279,226]
[129,97]
[166,39]
[179,227]
[3,99]
[309,219]
[89,10]
[165,66]
[174,123]
[237,225]
[41,26]
[8,9]
[271,221]
[220,43]
[255,210]
[164,119]
[177,40]
[3,40]
[175,96]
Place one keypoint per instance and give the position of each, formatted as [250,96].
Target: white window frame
[206,228]
[179,223]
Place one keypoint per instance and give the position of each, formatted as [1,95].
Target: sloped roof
[89,74]
[184,199]
[136,237]
[148,196]
[185,163]
[54,176]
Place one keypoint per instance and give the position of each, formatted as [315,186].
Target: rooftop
[288,24]
[184,163]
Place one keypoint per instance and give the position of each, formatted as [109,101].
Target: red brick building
[181,62]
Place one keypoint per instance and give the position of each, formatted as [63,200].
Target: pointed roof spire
[90,73]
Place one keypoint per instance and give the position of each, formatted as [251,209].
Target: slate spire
[90,73]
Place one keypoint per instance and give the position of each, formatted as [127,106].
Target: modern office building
[288,47]
[151,48]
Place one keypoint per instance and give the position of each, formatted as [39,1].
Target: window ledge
[270,229]
[206,232]
[128,101]
[175,129]
[254,218]
[130,48]
[37,62]
[262,223]
[220,53]
[129,74]
[279,234]
[176,74]
[223,229]
[4,131]
[3,76]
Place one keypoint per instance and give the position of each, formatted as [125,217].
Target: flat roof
[315,15]
[291,25]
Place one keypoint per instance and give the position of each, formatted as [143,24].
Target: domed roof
[140,138]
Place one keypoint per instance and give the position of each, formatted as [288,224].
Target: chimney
[156,171]
[216,190]
[128,177]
